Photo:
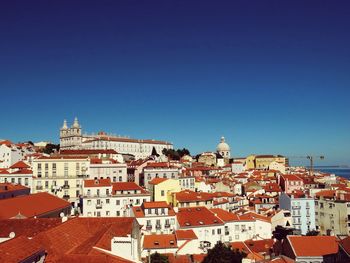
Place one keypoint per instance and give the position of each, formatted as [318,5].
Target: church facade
[73,138]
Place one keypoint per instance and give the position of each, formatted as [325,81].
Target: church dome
[223,146]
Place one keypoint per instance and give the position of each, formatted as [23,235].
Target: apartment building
[60,175]
[103,198]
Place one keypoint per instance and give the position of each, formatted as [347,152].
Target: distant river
[343,172]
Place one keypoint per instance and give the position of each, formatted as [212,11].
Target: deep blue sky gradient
[271,76]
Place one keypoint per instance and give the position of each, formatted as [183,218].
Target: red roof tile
[308,246]
[185,234]
[19,165]
[197,216]
[156,181]
[31,205]
[127,186]
[97,182]
[159,241]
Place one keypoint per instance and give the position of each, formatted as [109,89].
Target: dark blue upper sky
[271,76]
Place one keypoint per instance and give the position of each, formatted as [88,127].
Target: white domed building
[223,149]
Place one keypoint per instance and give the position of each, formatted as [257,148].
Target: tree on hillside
[175,154]
[51,148]
[222,253]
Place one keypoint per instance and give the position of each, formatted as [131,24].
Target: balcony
[66,186]
[66,197]
[158,226]
[39,187]
[98,206]
[148,227]
[167,225]
[82,175]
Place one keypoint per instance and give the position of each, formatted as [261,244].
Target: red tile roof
[309,246]
[156,181]
[291,177]
[97,182]
[159,241]
[23,171]
[75,240]
[31,205]
[8,187]
[27,227]
[190,196]
[127,186]
[196,217]
[158,204]
[224,215]
[87,152]
[185,234]
[19,165]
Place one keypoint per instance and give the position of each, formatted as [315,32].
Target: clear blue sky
[271,76]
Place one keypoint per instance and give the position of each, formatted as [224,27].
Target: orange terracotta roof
[127,186]
[196,217]
[190,196]
[28,227]
[31,205]
[224,215]
[87,152]
[158,204]
[19,165]
[291,177]
[23,171]
[76,239]
[63,157]
[159,241]
[255,216]
[156,181]
[8,187]
[185,234]
[97,182]
[308,246]
[326,193]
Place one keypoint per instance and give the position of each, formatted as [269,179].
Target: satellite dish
[61,214]
[12,235]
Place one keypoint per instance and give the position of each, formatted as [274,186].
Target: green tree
[281,232]
[50,148]
[175,154]
[158,258]
[222,253]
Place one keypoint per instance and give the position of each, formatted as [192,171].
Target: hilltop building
[73,138]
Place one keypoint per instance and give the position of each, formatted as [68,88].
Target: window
[66,169]
[107,213]
[162,193]
[219,231]
[117,202]
[107,201]
[118,213]
[26,181]
[89,202]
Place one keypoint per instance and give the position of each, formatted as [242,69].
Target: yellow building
[263,162]
[60,175]
[162,188]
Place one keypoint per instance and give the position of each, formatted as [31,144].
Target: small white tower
[223,148]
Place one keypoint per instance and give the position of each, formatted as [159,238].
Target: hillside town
[110,198]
